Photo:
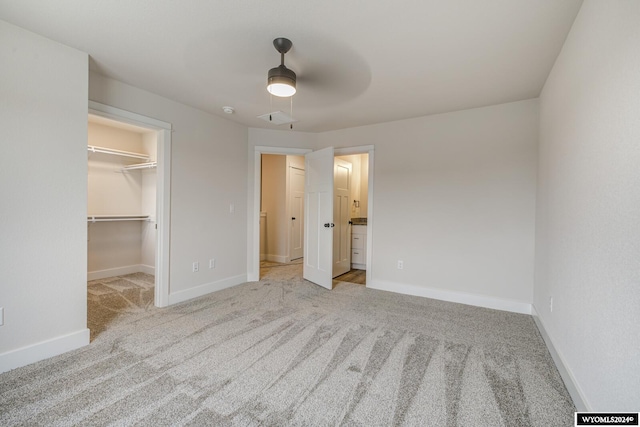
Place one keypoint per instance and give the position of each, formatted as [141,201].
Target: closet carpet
[116,296]
[283,351]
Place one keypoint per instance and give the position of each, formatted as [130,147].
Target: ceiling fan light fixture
[281,81]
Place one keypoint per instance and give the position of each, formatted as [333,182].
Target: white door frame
[163,189]
[253,273]
[253,244]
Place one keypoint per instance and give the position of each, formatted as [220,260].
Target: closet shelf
[104,150]
[106,218]
[147,165]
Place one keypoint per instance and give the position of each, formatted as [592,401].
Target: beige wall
[110,191]
[43,203]
[274,186]
[588,227]
[113,248]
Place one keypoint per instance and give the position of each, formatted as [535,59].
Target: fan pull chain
[270,106]
[291,114]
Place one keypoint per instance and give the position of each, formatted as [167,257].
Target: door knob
[327,225]
[332,225]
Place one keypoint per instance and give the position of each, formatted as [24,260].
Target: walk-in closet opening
[121,221]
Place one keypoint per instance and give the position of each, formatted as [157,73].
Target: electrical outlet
[551,304]
[212,263]
[1,316]
[400,265]
[196,266]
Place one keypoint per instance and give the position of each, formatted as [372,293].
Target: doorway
[155,238]
[358,208]
[281,208]
[121,208]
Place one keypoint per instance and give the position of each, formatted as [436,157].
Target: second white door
[296,209]
[341,217]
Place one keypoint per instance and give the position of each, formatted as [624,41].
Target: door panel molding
[318,221]
[342,171]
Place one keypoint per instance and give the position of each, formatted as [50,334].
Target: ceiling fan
[281,81]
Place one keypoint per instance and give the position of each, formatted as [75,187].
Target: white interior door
[318,217]
[296,206]
[341,217]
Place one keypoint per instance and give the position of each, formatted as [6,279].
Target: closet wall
[116,246]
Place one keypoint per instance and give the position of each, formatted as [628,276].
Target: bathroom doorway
[281,200]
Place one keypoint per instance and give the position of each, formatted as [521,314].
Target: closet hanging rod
[109,218]
[104,150]
[147,165]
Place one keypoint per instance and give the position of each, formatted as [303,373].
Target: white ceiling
[358,62]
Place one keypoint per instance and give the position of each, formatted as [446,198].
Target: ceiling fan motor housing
[281,74]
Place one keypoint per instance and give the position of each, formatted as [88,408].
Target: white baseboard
[453,296]
[120,271]
[205,289]
[567,376]
[43,350]
[147,269]
[277,258]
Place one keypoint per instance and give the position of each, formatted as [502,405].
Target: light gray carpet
[286,352]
